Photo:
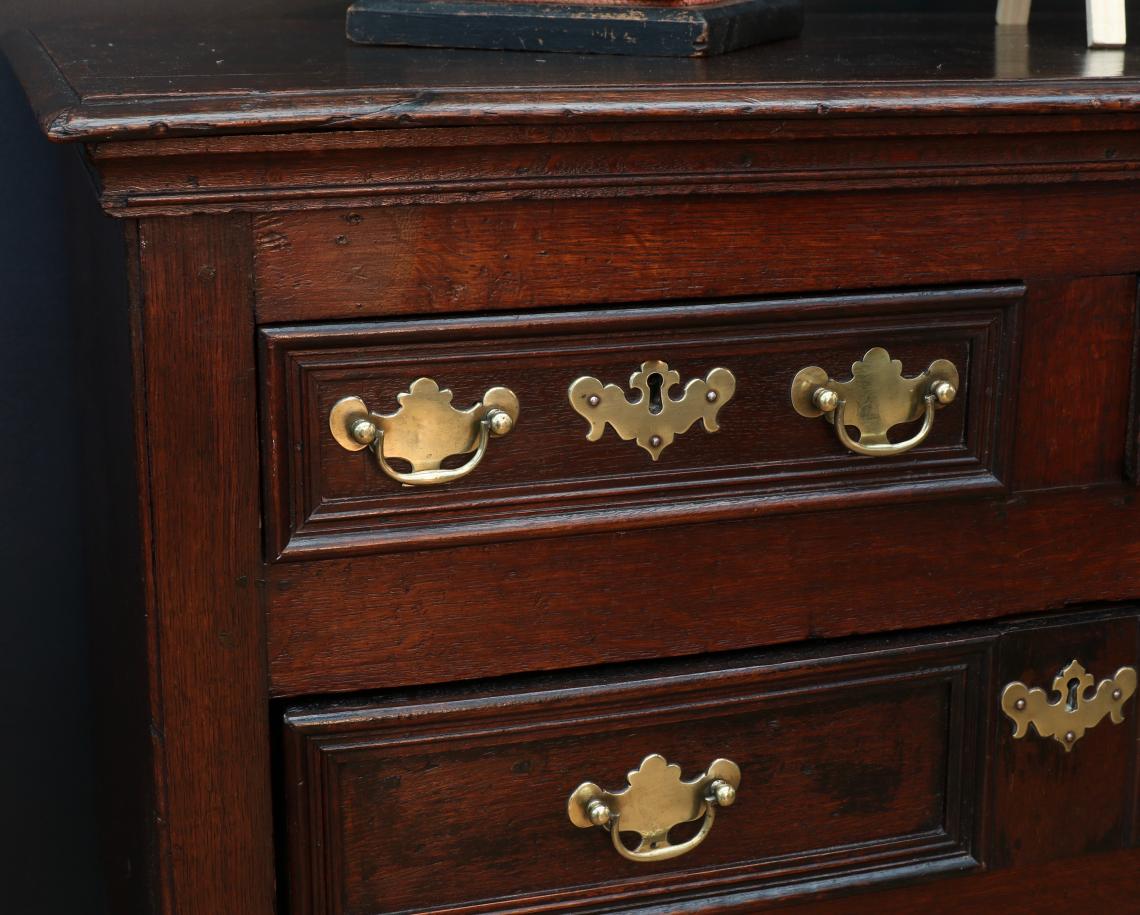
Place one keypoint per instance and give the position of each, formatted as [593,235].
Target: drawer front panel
[546,476]
[854,769]
[517,255]
[1052,802]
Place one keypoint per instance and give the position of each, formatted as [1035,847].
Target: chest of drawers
[540,484]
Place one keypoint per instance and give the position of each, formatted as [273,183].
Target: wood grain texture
[464,164]
[1049,804]
[1106,883]
[516,255]
[370,834]
[284,76]
[206,623]
[545,477]
[1135,826]
[363,623]
[1132,449]
[444,204]
[1073,419]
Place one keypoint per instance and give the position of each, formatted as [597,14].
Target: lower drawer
[439,802]
[854,767]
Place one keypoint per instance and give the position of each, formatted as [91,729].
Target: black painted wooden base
[653,31]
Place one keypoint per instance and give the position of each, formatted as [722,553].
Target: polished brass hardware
[655,418]
[875,399]
[655,801]
[425,430]
[1074,712]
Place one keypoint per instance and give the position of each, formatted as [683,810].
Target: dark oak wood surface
[1052,806]
[204,619]
[113,82]
[360,623]
[1106,883]
[1100,311]
[274,172]
[372,827]
[869,759]
[324,501]
[515,255]
[359,213]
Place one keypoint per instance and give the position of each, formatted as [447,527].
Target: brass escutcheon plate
[1075,711]
[655,418]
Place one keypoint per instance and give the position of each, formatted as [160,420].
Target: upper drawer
[546,476]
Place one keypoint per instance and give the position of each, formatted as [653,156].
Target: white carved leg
[1016,12]
[1106,23]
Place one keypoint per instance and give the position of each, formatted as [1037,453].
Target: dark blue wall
[49,855]
[45,766]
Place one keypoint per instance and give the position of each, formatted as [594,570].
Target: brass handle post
[875,399]
[425,430]
[656,800]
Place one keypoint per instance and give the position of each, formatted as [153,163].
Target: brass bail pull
[876,399]
[425,430]
[654,801]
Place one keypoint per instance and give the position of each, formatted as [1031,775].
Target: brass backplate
[1075,711]
[427,429]
[655,800]
[655,418]
[877,397]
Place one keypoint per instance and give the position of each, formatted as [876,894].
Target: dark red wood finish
[450,258]
[325,501]
[243,78]
[869,765]
[282,191]
[542,163]
[1082,802]
[860,768]
[209,728]
[398,619]
[1072,374]
[1106,883]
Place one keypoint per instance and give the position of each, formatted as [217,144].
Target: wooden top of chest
[133,82]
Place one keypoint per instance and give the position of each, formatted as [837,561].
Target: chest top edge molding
[130,81]
[259,173]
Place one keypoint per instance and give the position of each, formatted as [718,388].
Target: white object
[1107,23]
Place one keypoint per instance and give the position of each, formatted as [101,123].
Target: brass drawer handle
[655,801]
[425,430]
[655,418]
[1074,712]
[875,399]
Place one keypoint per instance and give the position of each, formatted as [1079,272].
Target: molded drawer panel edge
[546,478]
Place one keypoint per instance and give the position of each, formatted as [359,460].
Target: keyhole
[1074,686]
[654,381]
